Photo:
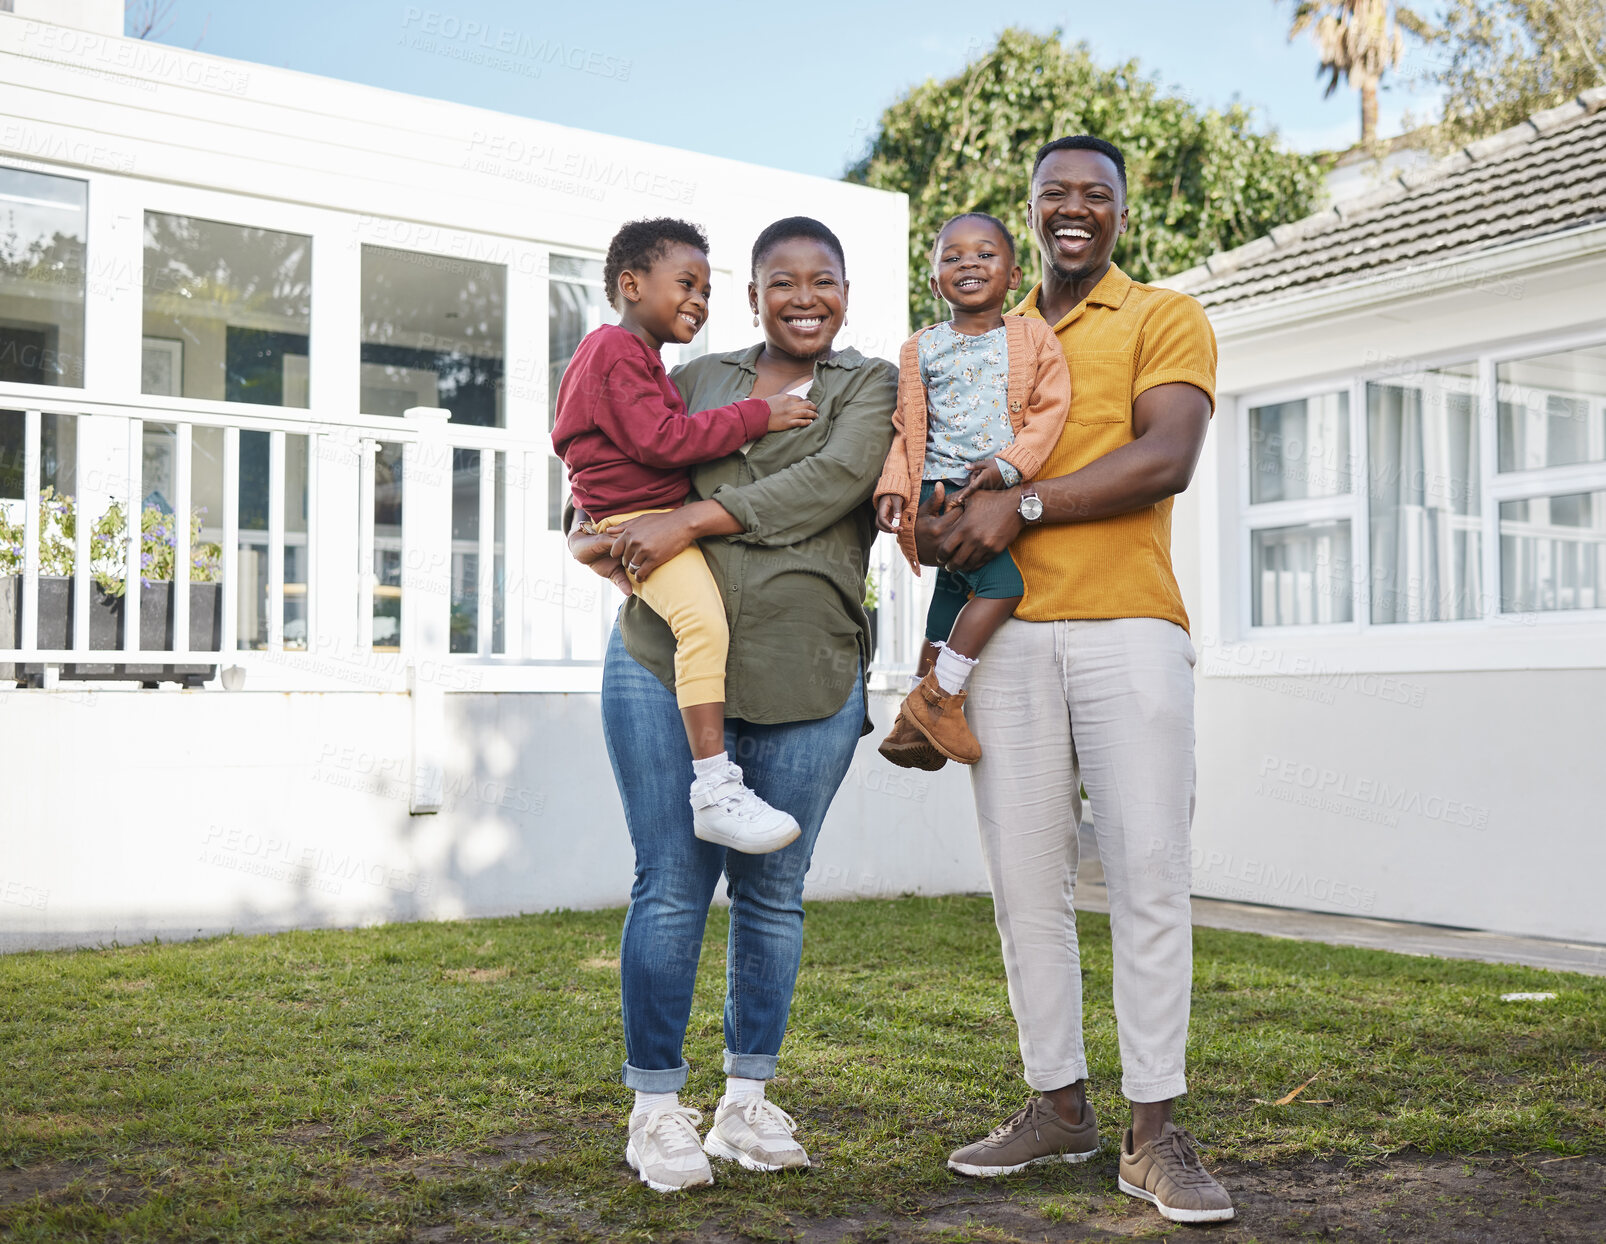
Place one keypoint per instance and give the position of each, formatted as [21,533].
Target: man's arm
[1169,423]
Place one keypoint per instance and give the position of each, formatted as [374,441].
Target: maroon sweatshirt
[623,431]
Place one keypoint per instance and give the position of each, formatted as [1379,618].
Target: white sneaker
[757,1133]
[664,1149]
[727,812]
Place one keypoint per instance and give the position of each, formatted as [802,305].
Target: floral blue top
[967,400]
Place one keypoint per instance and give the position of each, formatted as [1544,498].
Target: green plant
[1202,179]
[57,532]
[1498,61]
[872,592]
[108,540]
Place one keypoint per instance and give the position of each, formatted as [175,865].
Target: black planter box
[106,629]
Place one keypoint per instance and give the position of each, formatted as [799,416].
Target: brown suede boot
[941,718]
[907,748]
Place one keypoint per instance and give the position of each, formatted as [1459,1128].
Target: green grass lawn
[370,1084]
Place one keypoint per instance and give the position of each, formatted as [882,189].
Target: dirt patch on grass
[64,1183]
[1426,1200]
[477,974]
[400,1172]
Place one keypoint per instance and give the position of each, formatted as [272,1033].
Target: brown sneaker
[907,748]
[941,718]
[1034,1133]
[1168,1173]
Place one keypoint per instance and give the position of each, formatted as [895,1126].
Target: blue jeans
[796,766]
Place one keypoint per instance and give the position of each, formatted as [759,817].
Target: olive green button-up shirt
[793,580]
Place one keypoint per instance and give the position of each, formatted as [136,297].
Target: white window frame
[1559,639]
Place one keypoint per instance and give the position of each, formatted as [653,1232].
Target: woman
[786,529]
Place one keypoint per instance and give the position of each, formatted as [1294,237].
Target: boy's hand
[788,410]
[889,512]
[986,475]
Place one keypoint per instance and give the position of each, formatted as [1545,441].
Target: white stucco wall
[179,814]
[135,814]
[1451,775]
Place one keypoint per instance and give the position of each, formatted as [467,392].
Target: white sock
[736,1086]
[709,766]
[646,1102]
[953,670]
[915,680]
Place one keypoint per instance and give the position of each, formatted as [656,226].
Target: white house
[1394,552]
[328,321]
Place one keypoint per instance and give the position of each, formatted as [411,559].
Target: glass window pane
[1553,553]
[1552,409]
[12,454]
[1300,576]
[252,589]
[228,309]
[499,563]
[575,266]
[206,548]
[386,633]
[1423,496]
[557,492]
[465,622]
[295,540]
[432,335]
[43,226]
[572,312]
[1299,449]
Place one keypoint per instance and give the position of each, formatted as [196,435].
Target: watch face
[1031,508]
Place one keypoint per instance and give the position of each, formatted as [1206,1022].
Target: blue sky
[795,86]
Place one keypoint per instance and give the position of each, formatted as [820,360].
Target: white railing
[499,605]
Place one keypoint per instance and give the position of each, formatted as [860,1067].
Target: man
[1092,683]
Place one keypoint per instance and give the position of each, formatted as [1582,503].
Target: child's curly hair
[640,242]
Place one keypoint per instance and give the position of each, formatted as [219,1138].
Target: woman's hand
[982,530]
[643,544]
[889,513]
[590,549]
[986,474]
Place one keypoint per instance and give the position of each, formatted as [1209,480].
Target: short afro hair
[789,229]
[1003,230]
[640,243]
[1083,142]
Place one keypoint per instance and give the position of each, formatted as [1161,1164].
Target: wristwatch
[1031,505]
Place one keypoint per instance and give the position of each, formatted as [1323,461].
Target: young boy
[981,402]
[623,432]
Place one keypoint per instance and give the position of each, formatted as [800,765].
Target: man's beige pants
[1108,703]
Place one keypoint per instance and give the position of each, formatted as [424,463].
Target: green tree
[1499,61]
[1360,41]
[1200,180]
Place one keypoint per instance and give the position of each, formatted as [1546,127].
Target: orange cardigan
[1039,399]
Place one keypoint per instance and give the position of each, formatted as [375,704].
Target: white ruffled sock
[953,670]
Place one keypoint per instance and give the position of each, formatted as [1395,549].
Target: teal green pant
[998,579]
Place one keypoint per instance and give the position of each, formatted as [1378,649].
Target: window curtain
[1426,539]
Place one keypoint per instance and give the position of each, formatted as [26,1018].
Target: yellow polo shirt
[1122,340]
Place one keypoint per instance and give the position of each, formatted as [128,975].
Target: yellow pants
[683,593]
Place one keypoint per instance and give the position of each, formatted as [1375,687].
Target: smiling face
[1077,212]
[972,267]
[800,296]
[669,300]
